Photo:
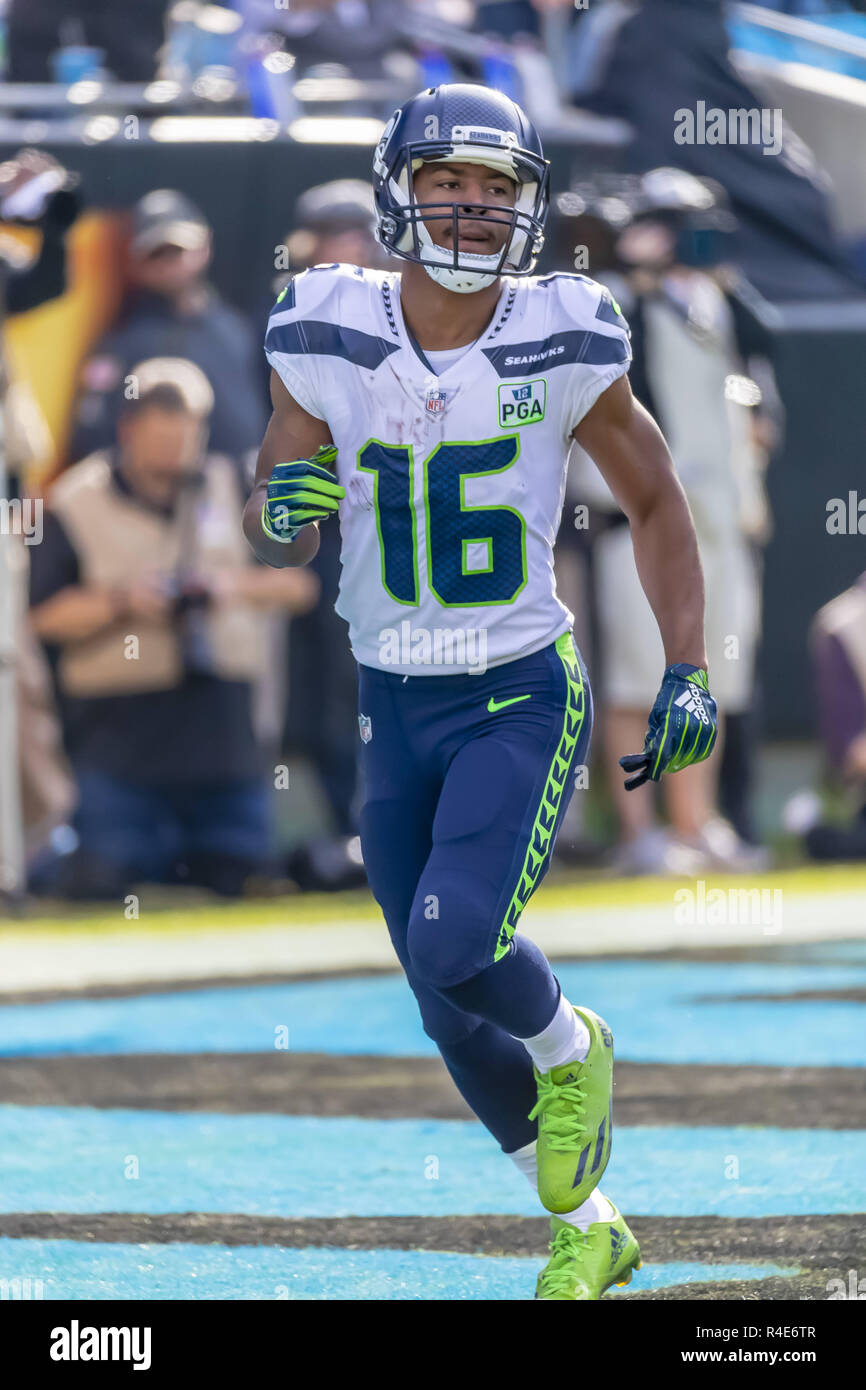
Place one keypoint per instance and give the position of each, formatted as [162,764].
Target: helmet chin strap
[444,274]
[460,281]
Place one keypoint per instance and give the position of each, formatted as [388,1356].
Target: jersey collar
[465,364]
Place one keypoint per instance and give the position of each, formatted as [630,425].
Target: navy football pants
[466,781]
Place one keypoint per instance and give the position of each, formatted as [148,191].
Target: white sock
[595,1208]
[565,1039]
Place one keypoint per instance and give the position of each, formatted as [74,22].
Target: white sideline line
[85,961]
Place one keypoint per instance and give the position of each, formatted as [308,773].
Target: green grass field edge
[359,908]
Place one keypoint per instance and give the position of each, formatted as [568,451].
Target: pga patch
[522,402]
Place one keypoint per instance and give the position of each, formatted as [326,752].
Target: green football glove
[299,493]
[682,727]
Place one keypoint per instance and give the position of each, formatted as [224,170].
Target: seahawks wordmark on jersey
[454,483]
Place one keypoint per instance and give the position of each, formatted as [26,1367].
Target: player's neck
[439,318]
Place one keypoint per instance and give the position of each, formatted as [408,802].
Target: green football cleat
[583,1264]
[575,1119]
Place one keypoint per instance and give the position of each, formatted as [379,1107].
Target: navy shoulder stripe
[559,350]
[609,313]
[545,280]
[286,297]
[329,340]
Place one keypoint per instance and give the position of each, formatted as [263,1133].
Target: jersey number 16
[475,555]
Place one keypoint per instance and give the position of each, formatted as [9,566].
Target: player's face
[478,191]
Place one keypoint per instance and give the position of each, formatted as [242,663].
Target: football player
[434,411]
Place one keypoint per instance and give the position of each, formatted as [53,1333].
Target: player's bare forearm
[666,554]
[629,451]
[292,433]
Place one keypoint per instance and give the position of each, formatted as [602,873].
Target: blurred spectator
[36,191]
[358,34]
[174,313]
[128,36]
[669,239]
[654,58]
[839,662]
[333,222]
[147,596]
[506,17]
[421,44]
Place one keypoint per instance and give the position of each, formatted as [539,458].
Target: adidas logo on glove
[693,704]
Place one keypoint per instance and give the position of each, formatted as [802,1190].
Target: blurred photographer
[156,620]
[660,241]
[838,653]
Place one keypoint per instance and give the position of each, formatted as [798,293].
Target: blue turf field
[84,1160]
[657,1009]
[288,1165]
[81,1270]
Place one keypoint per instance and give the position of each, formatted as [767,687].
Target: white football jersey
[454,483]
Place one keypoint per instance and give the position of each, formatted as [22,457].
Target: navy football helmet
[461,123]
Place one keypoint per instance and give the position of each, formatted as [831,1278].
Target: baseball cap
[167,218]
[188,378]
[338,205]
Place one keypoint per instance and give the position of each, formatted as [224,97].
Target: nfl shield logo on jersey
[365,724]
[435,400]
